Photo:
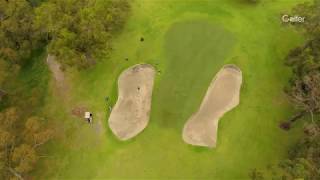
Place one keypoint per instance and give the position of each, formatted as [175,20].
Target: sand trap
[131,113]
[222,96]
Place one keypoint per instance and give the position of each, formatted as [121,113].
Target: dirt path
[131,113]
[58,75]
[222,96]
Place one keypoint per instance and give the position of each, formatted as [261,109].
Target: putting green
[188,41]
[195,51]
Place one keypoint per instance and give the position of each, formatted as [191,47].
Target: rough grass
[188,41]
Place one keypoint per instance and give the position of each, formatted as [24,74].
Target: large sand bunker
[222,96]
[131,113]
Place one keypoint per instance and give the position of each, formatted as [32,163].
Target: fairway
[187,42]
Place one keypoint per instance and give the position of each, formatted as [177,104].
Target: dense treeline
[17,34]
[26,94]
[77,32]
[303,90]
[80,31]
[304,86]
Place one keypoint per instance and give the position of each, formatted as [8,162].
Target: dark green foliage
[303,161]
[304,158]
[17,34]
[304,91]
[80,31]
[304,86]
[311,11]
[305,59]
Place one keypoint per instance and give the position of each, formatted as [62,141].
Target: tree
[304,86]
[19,145]
[304,159]
[80,31]
[24,158]
[17,35]
[311,27]
[7,73]
[4,73]
[304,92]
[8,119]
[34,134]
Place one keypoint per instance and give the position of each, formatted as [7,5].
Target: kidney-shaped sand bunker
[222,96]
[131,113]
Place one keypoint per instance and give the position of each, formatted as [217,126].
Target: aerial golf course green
[187,42]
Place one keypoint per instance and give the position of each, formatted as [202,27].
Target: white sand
[222,96]
[131,113]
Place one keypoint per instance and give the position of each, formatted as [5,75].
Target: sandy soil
[222,96]
[131,113]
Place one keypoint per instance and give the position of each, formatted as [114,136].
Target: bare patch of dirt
[79,111]
[58,75]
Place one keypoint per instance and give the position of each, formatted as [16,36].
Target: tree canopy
[19,144]
[310,10]
[303,161]
[17,33]
[304,85]
[80,31]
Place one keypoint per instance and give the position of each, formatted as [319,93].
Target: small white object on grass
[87,115]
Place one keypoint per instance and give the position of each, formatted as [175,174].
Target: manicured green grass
[195,51]
[187,41]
